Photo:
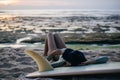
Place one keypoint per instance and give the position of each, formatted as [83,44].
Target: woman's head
[54,54]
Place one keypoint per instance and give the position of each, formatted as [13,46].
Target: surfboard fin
[43,64]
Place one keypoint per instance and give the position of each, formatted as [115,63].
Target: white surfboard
[113,67]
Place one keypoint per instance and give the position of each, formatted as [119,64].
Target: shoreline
[86,38]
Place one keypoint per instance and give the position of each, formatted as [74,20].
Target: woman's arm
[58,63]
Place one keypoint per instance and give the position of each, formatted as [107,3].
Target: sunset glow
[7,2]
[59,4]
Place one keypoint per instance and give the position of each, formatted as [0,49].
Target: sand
[14,64]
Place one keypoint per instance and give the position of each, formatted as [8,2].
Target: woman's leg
[51,43]
[59,41]
[46,47]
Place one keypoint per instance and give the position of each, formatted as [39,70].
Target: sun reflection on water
[5,16]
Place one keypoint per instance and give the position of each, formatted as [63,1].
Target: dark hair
[74,57]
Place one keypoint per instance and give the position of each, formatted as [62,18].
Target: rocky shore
[88,38]
[14,64]
[82,28]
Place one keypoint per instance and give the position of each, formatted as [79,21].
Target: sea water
[59,13]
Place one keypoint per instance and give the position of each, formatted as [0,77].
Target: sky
[59,4]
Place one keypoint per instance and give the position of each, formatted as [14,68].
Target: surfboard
[113,67]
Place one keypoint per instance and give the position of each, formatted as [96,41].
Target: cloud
[44,2]
[64,4]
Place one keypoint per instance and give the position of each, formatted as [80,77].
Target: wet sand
[14,64]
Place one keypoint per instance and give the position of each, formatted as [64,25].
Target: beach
[15,64]
[96,33]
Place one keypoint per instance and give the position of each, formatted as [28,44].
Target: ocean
[59,13]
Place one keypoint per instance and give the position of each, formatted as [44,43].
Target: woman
[56,51]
